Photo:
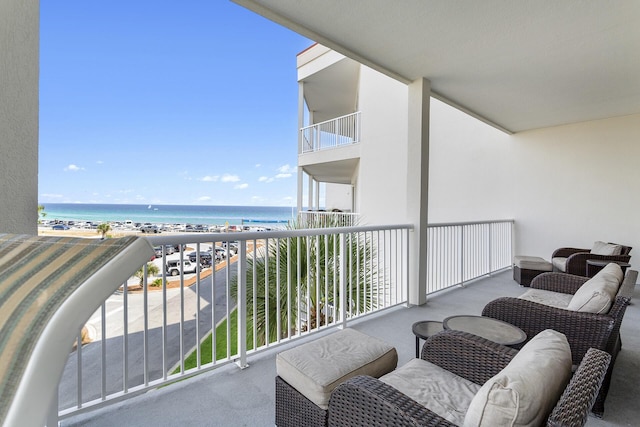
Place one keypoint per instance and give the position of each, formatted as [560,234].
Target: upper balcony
[330,150]
[338,132]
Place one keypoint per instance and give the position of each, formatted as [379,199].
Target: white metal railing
[460,252]
[279,286]
[314,219]
[331,133]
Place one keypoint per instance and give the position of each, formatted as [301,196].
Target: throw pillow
[602,248]
[597,294]
[526,390]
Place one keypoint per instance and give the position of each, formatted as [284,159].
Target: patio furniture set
[576,261]
[544,358]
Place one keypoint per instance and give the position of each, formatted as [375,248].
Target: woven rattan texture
[295,410]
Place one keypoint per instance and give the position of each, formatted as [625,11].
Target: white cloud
[52,196]
[258,165]
[73,168]
[284,169]
[209,178]
[230,178]
[283,175]
[204,199]
[139,197]
[265,179]
[241,186]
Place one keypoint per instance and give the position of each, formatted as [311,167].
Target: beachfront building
[356,154]
[497,110]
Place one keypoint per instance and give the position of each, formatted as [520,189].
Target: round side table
[595,265]
[424,329]
[486,327]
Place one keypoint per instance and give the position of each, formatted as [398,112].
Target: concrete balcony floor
[233,397]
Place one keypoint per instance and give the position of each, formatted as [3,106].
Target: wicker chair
[576,259]
[583,330]
[366,401]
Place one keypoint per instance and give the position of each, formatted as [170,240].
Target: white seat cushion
[527,389]
[602,248]
[550,298]
[435,388]
[559,263]
[597,294]
[317,367]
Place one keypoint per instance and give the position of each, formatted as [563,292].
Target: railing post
[462,256]
[490,248]
[241,305]
[343,281]
[125,336]
[408,258]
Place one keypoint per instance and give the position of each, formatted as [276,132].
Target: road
[176,343]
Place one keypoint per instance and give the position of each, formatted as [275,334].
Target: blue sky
[166,103]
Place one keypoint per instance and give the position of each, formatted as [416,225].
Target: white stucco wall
[339,196]
[381,196]
[469,170]
[577,184]
[19,66]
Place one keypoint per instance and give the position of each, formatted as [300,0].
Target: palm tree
[41,213]
[152,270]
[104,228]
[303,273]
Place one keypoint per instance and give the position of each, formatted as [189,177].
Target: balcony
[325,278]
[144,333]
[231,396]
[333,133]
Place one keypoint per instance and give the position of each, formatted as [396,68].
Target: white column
[418,186]
[300,126]
[310,193]
[300,114]
[300,185]
[19,68]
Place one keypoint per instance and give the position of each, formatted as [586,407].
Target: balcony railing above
[331,133]
[316,219]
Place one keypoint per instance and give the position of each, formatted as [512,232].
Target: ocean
[168,214]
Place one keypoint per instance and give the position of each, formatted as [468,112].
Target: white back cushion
[602,248]
[526,390]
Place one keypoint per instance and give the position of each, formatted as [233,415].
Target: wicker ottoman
[525,268]
[307,374]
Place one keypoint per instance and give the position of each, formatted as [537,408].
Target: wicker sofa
[574,260]
[366,401]
[583,330]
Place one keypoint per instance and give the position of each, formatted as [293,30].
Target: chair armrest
[466,355]
[577,263]
[558,282]
[575,403]
[567,252]
[365,401]
[583,330]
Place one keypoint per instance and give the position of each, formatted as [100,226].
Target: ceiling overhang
[515,65]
